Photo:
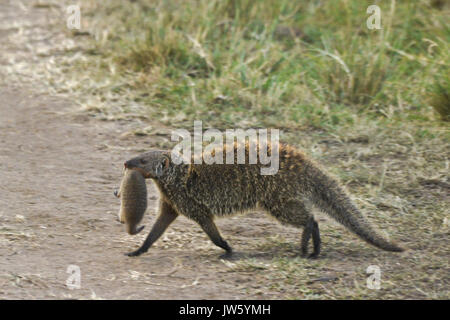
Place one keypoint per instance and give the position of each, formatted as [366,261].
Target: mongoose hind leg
[294,212]
[306,235]
[311,229]
[166,216]
[210,228]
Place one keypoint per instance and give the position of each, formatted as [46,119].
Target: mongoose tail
[326,193]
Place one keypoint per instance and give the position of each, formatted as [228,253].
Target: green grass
[440,94]
[228,63]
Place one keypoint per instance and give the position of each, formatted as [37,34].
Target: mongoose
[133,195]
[204,191]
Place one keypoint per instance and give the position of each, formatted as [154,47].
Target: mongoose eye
[143,161]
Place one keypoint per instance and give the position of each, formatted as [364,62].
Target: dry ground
[58,170]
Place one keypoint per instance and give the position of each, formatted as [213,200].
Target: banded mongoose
[133,196]
[204,191]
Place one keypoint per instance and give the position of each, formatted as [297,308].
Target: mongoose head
[152,164]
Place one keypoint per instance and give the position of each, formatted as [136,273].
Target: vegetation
[287,64]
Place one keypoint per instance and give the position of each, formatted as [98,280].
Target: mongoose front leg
[311,229]
[166,217]
[208,225]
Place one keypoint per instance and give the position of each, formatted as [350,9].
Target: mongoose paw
[304,253]
[116,193]
[227,255]
[136,253]
[313,255]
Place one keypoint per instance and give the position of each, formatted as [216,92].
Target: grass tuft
[440,96]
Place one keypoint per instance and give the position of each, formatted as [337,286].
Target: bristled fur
[201,192]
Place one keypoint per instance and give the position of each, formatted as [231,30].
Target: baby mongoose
[133,195]
[204,191]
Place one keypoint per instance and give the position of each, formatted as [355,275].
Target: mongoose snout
[130,164]
[133,195]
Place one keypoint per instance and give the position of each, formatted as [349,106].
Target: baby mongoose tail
[326,193]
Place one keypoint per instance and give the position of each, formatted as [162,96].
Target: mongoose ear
[166,162]
[162,166]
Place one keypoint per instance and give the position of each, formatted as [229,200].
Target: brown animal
[133,194]
[204,191]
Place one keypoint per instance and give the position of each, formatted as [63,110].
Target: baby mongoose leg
[136,231]
[311,229]
[208,225]
[166,217]
[117,195]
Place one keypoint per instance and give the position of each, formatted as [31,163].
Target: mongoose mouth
[142,171]
[130,166]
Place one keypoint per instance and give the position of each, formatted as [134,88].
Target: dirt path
[57,209]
